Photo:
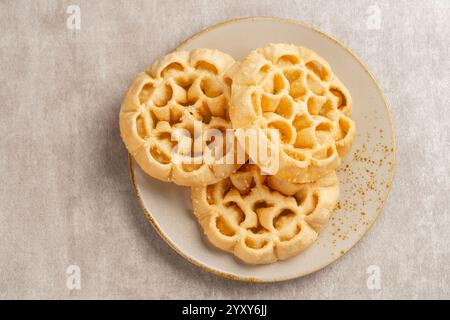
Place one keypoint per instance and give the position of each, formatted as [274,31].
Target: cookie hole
[265,68]
[323,153]
[185,82]
[290,235]
[274,85]
[326,108]
[293,75]
[296,155]
[163,95]
[301,122]
[284,219]
[172,68]
[297,89]
[341,99]
[205,113]
[244,187]
[145,93]
[252,184]
[224,228]
[236,213]
[278,83]
[344,127]
[206,66]
[314,105]
[261,204]
[262,72]
[284,130]
[324,126]
[175,115]
[285,108]
[319,70]
[255,243]
[140,127]
[259,229]
[159,156]
[161,113]
[153,118]
[267,104]
[163,136]
[166,139]
[228,81]
[301,196]
[211,88]
[226,187]
[186,103]
[315,200]
[210,190]
[314,85]
[330,152]
[288,59]
[306,138]
[191,167]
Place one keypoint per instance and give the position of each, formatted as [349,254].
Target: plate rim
[231,276]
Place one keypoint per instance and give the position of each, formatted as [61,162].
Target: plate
[366,173]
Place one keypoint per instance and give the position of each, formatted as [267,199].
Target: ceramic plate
[365,175]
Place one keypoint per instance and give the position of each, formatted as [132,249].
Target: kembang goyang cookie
[182,90]
[260,218]
[293,90]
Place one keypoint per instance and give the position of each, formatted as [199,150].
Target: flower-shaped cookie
[261,219]
[293,90]
[182,90]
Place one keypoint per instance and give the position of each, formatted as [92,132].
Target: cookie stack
[201,119]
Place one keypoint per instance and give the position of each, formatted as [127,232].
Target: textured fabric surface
[65,194]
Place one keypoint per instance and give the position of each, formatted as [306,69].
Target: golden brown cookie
[293,90]
[181,90]
[261,219]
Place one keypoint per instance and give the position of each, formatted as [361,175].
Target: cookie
[182,90]
[294,91]
[262,219]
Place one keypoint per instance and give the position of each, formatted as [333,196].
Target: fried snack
[293,90]
[261,219]
[180,90]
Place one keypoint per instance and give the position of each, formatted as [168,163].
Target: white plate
[366,174]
